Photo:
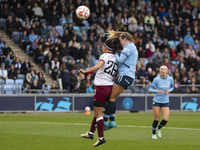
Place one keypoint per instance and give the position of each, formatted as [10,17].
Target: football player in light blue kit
[161,86]
[127,62]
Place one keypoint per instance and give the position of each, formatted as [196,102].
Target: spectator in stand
[100,30]
[173,54]
[188,39]
[19,11]
[18,24]
[83,83]
[41,78]
[18,65]
[37,10]
[150,64]
[83,52]
[12,73]
[2,42]
[73,80]
[3,72]
[55,63]
[65,76]
[8,61]
[142,73]
[5,11]
[43,30]
[191,73]
[158,60]
[54,87]
[81,64]
[190,51]
[7,50]
[64,50]
[74,51]
[193,89]
[54,18]
[132,23]
[26,66]
[10,26]
[67,36]
[32,36]
[47,62]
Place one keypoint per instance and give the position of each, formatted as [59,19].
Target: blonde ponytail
[113,34]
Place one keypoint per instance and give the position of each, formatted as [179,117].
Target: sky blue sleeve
[121,58]
[171,86]
[126,52]
[153,86]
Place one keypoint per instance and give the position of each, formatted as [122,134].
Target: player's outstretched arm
[96,67]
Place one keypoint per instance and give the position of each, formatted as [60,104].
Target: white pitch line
[85,124]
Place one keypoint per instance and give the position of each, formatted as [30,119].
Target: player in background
[161,86]
[127,61]
[107,70]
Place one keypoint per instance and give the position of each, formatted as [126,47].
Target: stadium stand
[165,33]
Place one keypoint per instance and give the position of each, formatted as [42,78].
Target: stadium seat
[1,88]
[9,81]
[83,28]
[60,28]
[77,29]
[16,36]
[18,89]
[2,81]
[19,81]
[43,20]
[2,23]
[171,44]
[9,89]
[21,76]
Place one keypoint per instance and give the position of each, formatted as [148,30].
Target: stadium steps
[22,55]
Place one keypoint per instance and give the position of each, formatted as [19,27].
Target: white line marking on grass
[86,124]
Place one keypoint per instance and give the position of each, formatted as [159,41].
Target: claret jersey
[107,72]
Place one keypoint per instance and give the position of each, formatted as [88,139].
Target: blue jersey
[128,66]
[161,84]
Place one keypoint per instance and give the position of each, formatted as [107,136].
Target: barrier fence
[78,102]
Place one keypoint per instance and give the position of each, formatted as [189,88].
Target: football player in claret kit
[107,70]
[161,86]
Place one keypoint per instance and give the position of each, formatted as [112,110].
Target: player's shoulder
[107,56]
[157,78]
[170,77]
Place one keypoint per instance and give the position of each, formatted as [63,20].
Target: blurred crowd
[166,32]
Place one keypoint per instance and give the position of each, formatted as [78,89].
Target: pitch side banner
[122,103]
[53,103]
[174,103]
[191,103]
[81,102]
[10,103]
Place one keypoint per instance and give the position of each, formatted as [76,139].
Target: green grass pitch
[61,131]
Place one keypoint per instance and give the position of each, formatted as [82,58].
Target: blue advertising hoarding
[52,103]
[81,102]
[10,103]
[122,103]
[190,103]
[130,103]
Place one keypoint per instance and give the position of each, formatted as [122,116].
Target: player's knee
[156,118]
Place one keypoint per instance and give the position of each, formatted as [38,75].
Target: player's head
[123,37]
[163,70]
[111,45]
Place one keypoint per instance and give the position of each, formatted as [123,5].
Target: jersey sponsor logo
[102,57]
[128,103]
